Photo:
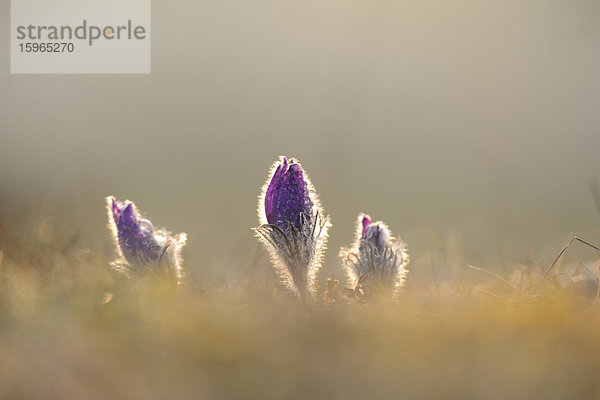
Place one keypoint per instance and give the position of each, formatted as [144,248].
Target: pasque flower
[140,246]
[293,226]
[376,262]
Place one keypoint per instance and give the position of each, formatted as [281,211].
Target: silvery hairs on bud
[140,247]
[293,226]
[376,263]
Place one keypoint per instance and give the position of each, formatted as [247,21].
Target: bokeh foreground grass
[75,332]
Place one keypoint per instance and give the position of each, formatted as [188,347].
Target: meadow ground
[76,330]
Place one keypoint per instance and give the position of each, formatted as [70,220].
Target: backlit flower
[293,226]
[376,262]
[140,246]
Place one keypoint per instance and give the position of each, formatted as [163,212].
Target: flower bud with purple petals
[376,262]
[140,246]
[293,226]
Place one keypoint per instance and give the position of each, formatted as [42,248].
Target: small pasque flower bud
[376,262]
[139,245]
[293,226]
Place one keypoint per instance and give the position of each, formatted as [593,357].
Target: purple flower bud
[293,225]
[287,197]
[135,236]
[377,261]
[365,224]
[138,243]
[376,234]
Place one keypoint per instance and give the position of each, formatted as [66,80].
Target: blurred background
[471,128]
